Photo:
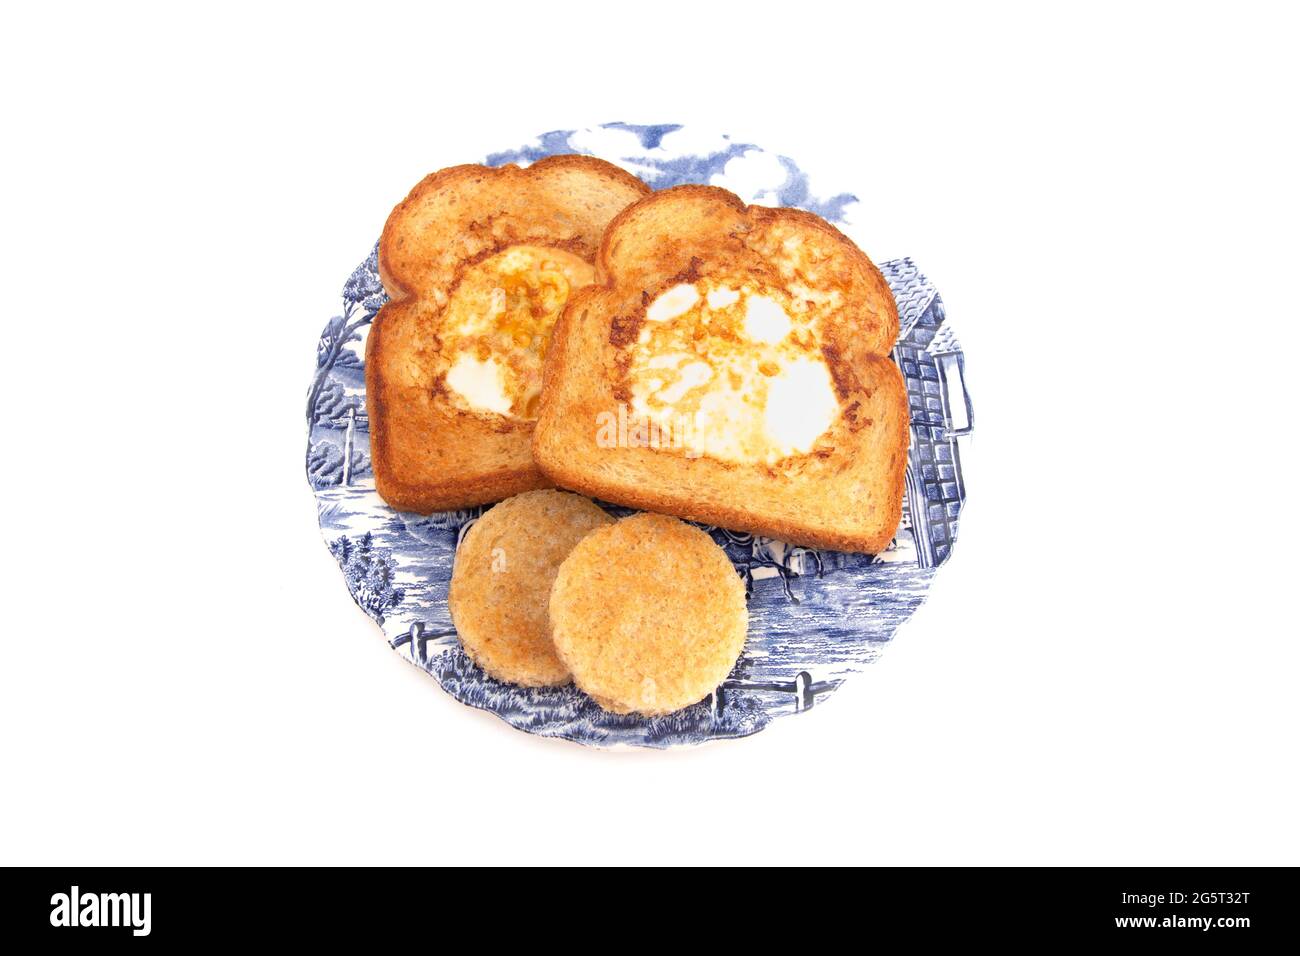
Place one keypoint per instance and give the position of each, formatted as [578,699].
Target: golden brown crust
[846,496]
[501,583]
[426,453]
[397,272]
[648,614]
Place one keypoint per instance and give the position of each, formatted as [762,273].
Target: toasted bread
[477,262]
[731,365]
[648,614]
[501,583]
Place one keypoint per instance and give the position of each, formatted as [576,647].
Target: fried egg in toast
[731,365]
[478,263]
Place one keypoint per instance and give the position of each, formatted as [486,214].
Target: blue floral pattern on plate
[815,616]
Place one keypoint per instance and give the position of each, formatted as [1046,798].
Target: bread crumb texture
[648,614]
[504,570]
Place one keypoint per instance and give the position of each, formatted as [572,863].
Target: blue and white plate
[815,616]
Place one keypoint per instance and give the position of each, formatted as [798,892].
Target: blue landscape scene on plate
[815,616]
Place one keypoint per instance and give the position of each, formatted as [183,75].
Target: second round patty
[648,614]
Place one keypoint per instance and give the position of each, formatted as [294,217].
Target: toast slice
[478,262]
[731,366]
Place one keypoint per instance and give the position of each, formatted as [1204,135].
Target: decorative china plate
[815,616]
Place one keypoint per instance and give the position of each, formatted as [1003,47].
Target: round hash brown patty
[499,587]
[648,614]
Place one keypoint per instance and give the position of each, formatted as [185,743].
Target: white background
[1105,671]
